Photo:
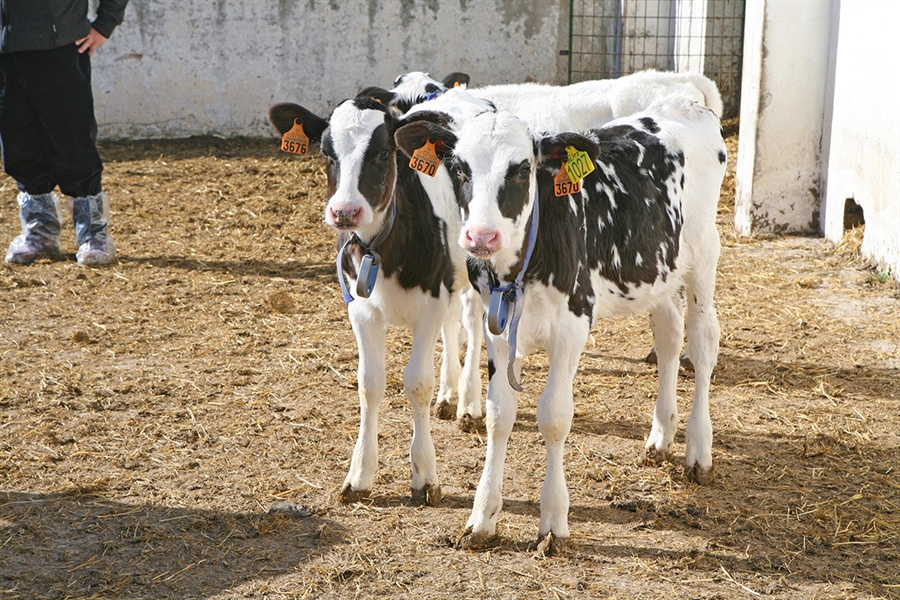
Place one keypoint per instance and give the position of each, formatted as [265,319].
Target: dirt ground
[152,413]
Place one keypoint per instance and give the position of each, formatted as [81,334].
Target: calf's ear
[454,79]
[552,149]
[380,94]
[282,117]
[412,136]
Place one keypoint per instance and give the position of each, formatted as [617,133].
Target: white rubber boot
[91,217]
[40,216]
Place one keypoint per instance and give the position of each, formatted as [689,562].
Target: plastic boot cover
[91,217]
[40,216]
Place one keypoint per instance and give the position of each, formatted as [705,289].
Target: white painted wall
[175,69]
[864,158]
[783,95]
[819,121]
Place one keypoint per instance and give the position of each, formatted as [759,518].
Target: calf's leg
[500,415]
[450,367]
[668,332]
[370,341]
[703,335]
[555,411]
[468,411]
[418,383]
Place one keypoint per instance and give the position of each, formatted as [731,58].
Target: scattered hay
[155,411]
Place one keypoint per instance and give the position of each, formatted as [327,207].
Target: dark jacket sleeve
[110,14]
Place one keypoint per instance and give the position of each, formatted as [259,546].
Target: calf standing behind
[640,235]
[396,233]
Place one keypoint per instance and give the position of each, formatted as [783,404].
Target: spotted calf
[398,264]
[639,236]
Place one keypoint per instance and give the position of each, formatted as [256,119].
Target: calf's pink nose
[481,240]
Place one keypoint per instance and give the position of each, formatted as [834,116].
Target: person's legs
[57,87]
[25,150]
[74,159]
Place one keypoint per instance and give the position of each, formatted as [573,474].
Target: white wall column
[785,74]
[864,149]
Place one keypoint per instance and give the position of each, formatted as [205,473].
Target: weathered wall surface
[175,69]
[782,116]
[864,148]
[819,121]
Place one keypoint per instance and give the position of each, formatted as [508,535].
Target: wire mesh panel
[611,38]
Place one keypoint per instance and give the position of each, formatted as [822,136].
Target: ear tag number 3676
[295,139]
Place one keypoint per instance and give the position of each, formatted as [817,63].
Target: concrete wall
[819,121]
[189,67]
[864,149]
[785,77]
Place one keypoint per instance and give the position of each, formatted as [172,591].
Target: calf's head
[496,160]
[414,88]
[358,146]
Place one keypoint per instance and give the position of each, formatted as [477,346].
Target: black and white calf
[579,106]
[414,88]
[639,236]
[399,264]
[555,109]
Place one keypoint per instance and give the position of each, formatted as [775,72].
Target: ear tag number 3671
[425,159]
[295,139]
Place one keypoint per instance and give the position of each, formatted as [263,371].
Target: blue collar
[368,266]
[505,299]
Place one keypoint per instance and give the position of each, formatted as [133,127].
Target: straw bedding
[179,425]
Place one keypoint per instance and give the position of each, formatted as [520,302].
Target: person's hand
[90,43]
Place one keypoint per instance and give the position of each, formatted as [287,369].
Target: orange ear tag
[563,186]
[295,140]
[425,159]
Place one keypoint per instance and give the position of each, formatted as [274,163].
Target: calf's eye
[384,154]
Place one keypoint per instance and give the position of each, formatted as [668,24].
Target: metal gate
[611,38]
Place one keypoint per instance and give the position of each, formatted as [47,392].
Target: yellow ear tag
[295,140]
[578,164]
[563,186]
[425,159]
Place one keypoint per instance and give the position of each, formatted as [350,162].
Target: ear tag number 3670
[563,186]
[295,139]
[425,159]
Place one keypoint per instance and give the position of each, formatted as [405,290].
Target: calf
[576,107]
[589,104]
[555,109]
[398,264]
[640,235]
[414,88]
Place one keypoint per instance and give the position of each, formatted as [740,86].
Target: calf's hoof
[476,542]
[430,495]
[444,411]
[550,545]
[699,475]
[653,456]
[470,424]
[653,359]
[349,495]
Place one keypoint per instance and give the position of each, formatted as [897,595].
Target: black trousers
[47,127]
